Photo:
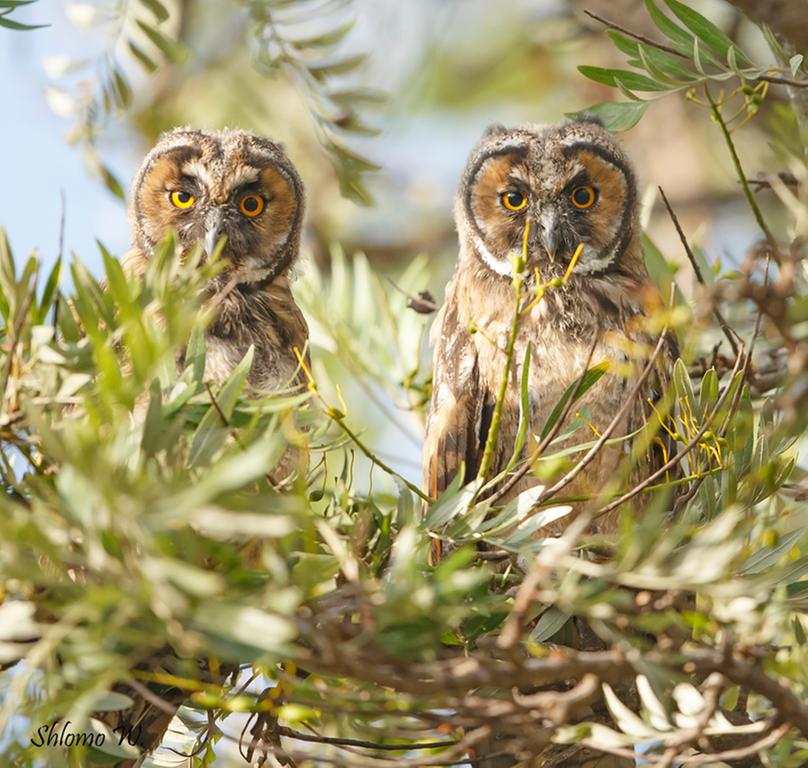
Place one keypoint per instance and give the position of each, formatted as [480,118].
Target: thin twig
[339,419]
[769,740]
[337,741]
[725,327]
[634,35]
[496,417]
[750,197]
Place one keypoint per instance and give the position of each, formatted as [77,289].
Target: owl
[233,187]
[548,189]
[231,184]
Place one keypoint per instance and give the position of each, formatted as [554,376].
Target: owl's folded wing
[458,419]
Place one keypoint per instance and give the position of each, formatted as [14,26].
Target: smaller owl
[568,185]
[209,185]
[206,185]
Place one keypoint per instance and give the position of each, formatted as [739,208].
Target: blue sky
[41,164]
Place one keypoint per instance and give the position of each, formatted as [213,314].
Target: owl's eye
[584,197]
[251,205]
[513,201]
[182,199]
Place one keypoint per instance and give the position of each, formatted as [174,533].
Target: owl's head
[209,184]
[572,182]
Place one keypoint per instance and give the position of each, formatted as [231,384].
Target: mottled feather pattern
[252,295]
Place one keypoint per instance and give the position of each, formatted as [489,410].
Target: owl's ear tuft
[497,129]
[588,117]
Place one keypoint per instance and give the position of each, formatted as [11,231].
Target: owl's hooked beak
[213,230]
[548,224]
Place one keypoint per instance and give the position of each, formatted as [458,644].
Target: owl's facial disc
[568,190]
[227,189]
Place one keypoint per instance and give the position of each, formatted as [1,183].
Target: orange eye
[513,201]
[182,199]
[251,205]
[584,197]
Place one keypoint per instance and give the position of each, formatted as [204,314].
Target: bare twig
[750,197]
[725,327]
[343,742]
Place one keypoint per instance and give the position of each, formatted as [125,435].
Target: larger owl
[208,185]
[567,185]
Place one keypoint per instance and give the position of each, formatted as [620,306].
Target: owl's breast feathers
[265,316]
[561,329]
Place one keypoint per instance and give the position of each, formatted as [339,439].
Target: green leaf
[794,63]
[616,77]
[172,50]
[681,380]
[527,533]
[211,433]
[237,628]
[325,40]
[325,69]
[116,280]
[664,67]
[11,24]
[158,10]
[616,115]
[681,40]
[708,394]
[623,43]
[123,93]
[146,61]
[451,502]
[583,385]
[111,182]
[549,623]
[524,409]
[767,556]
[112,701]
[351,96]
[50,291]
[195,354]
[799,632]
[706,31]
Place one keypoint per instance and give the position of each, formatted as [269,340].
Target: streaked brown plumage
[606,298]
[220,169]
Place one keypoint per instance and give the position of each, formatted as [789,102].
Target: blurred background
[345,85]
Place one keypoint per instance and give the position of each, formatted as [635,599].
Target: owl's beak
[213,231]
[548,224]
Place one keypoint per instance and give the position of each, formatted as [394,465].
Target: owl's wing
[663,446]
[461,407]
